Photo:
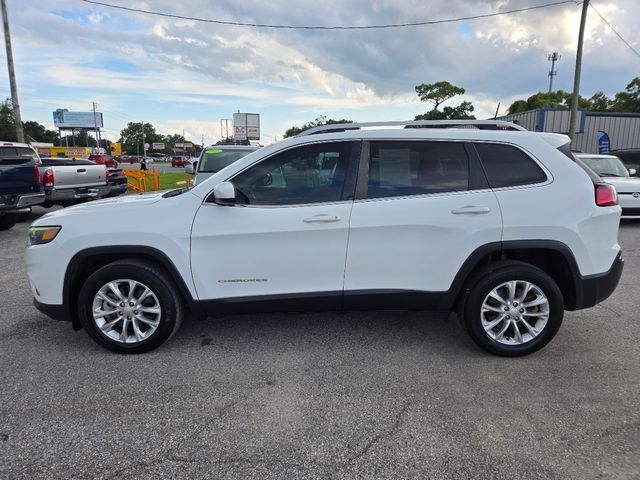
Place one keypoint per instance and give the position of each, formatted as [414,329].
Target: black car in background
[630,158]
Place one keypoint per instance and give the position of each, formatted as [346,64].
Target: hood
[98,207]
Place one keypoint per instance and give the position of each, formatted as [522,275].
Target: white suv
[503,226]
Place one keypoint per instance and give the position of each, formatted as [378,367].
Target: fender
[123,251]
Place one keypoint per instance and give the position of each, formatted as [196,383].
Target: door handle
[322,218]
[471,210]
[82,170]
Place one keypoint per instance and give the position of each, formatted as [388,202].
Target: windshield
[215,159]
[607,166]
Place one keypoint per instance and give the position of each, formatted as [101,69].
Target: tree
[557,99]
[599,102]
[319,121]
[440,92]
[7,122]
[629,100]
[36,132]
[461,112]
[131,137]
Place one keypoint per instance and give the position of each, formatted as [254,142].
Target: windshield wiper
[608,174]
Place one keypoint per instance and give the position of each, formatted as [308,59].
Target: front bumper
[56,312]
[594,289]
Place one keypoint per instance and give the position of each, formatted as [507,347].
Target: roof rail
[480,124]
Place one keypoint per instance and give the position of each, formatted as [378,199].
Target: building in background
[596,132]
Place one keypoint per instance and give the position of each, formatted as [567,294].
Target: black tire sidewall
[492,279]
[155,280]
[8,220]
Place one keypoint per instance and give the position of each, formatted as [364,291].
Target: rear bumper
[10,202]
[594,289]
[71,194]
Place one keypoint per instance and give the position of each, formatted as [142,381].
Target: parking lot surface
[342,395]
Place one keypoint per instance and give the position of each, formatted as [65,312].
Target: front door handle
[471,210]
[322,218]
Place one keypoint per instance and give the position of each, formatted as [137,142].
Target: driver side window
[308,174]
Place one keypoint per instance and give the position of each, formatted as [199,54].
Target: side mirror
[189,169]
[632,171]
[224,193]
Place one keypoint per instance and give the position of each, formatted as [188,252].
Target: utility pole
[95,126]
[553,58]
[12,73]
[144,150]
[576,75]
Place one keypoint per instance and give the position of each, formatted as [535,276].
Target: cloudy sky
[183,74]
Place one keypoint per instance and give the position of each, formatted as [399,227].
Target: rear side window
[508,166]
[417,168]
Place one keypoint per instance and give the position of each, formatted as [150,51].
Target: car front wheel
[130,306]
[513,309]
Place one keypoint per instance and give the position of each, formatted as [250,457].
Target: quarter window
[507,166]
[308,174]
[417,168]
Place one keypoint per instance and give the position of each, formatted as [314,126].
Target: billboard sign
[66,119]
[246,126]
[184,145]
[157,145]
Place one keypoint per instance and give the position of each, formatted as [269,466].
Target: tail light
[106,175]
[606,195]
[37,172]
[47,178]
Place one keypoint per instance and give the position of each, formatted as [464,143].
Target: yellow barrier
[142,180]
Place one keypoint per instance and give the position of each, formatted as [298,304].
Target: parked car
[179,161]
[216,157]
[68,181]
[20,184]
[630,158]
[117,182]
[104,160]
[506,227]
[613,171]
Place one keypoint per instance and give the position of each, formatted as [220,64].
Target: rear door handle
[322,218]
[471,210]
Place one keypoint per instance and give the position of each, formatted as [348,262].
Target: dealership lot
[353,395]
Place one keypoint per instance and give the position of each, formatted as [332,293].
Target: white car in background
[613,171]
[216,157]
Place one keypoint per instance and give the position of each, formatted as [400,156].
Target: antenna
[553,58]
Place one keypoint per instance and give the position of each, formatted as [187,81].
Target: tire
[24,216]
[537,316]
[8,220]
[163,295]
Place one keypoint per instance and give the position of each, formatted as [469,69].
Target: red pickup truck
[104,160]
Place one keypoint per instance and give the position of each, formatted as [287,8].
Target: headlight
[40,235]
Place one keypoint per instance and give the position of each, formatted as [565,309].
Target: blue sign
[603,142]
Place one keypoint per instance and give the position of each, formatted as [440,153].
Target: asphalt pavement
[320,395]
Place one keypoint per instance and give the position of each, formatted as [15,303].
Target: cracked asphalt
[341,396]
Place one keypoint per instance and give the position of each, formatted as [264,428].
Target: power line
[338,27]
[614,30]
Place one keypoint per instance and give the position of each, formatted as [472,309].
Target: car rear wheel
[513,310]
[130,306]
[8,220]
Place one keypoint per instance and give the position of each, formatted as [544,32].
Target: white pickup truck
[69,180]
